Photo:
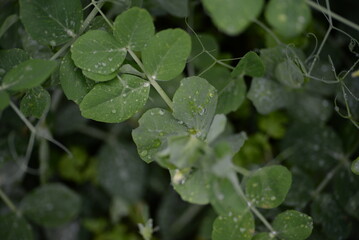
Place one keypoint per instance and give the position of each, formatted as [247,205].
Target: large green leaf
[155,126]
[10,58]
[233,16]
[28,74]
[190,187]
[73,82]
[267,95]
[293,225]
[35,102]
[97,51]
[134,28]
[51,21]
[288,17]
[178,8]
[51,205]
[268,186]
[121,172]
[250,64]
[13,227]
[195,103]
[234,227]
[165,56]
[117,100]
[99,77]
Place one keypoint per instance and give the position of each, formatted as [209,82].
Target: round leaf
[134,28]
[233,16]
[195,103]
[288,17]
[293,225]
[28,74]
[98,52]
[14,227]
[268,186]
[35,102]
[234,227]
[51,205]
[117,100]
[73,83]
[251,65]
[51,21]
[165,56]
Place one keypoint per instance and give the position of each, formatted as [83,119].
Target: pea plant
[140,122]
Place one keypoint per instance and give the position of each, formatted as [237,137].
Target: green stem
[153,82]
[332,14]
[326,180]
[85,24]
[185,218]
[265,28]
[8,202]
[241,170]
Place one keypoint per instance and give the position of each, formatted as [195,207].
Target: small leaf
[73,83]
[134,28]
[98,52]
[250,65]
[267,95]
[28,74]
[231,91]
[117,100]
[35,102]
[354,166]
[293,225]
[288,17]
[121,172]
[51,205]
[178,8]
[4,100]
[289,74]
[190,187]
[155,126]
[99,77]
[164,58]
[217,127]
[14,227]
[233,16]
[234,227]
[10,58]
[8,22]
[268,186]
[51,21]
[194,103]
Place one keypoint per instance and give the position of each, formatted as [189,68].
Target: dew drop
[146,84]
[144,153]
[113,111]
[161,112]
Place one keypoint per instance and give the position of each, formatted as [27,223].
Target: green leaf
[194,103]
[97,51]
[99,77]
[231,91]
[73,83]
[354,166]
[224,199]
[50,21]
[273,124]
[4,100]
[155,126]
[233,16]
[217,127]
[234,227]
[289,74]
[121,172]
[268,186]
[117,100]
[250,65]
[293,225]
[28,74]
[10,58]
[35,102]
[51,205]
[201,59]
[263,236]
[190,187]
[288,17]
[134,28]
[267,95]
[165,56]
[8,22]
[14,227]
[178,8]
